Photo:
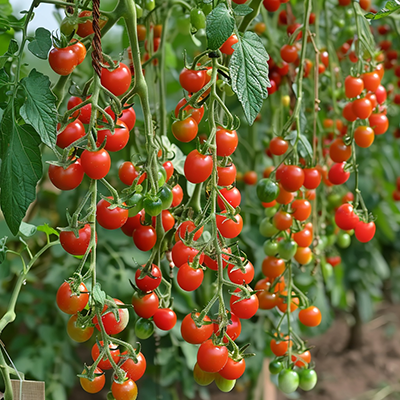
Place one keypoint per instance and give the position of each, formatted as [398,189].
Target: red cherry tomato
[226,48]
[73,245]
[198,167]
[148,283]
[96,164]
[113,326]
[71,303]
[229,228]
[226,175]
[364,231]
[146,305]
[310,316]
[232,196]
[72,132]
[193,334]
[165,319]
[195,113]
[245,308]
[124,391]
[212,358]
[96,385]
[134,370]
[192,80]
[337,175]
[182,254]
[237,276]
[116,141]
[63,61]
[66,179]
[188,278]
[345,218]
[110,219]
[105,363]
[177,194]
[117,81]
[185,130]
[227,142]
[128,116]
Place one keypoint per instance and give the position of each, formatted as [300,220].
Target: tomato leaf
[220,24]
[21,169]
[41,45]
[4,82]
[390,7]
[39,109]
[27,230]
[47,229]
[99,297]
[242,10]
[12,49]
[249,72]
[5,7]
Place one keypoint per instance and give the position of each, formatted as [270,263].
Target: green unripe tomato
[343,240]
[287,249]
[152,205]
[339,23]
[136,204]
[68,26]
[330,230]
[161,176]
[327,270]
[166,197]
[270,211]
[267,229]
[144,328]
[267,190]
[308,379]
[149,5]
[334,200]
[275,367]
[331,240]
[270,248]
[288,381]
[139,11]
[201,377]
[197,19]
[224,385]
[323,241]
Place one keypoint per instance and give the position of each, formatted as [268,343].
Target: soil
[343,374]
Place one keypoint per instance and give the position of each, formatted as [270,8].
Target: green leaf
[4,84]
[249,72]
[220,24]
[242,10]
[99,297]
[40,109]
[12,49]
[41,45]
[390,7]
[5,8]
[21,169]
[47,229]
[27,230]
[304,147]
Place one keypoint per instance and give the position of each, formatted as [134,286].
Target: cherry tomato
[148,283]
[76,246]
[237,276]
[364,136]
[133,223]
[105,363]
[250,178]
[116,141]
[310,316]
[245,308]
[72,132]
[282,302]
[144,328]
[165,319]
[273,267]
[185,130]
[146,305]
[280,346]
[195,113]
[271,5]
[362,108]
[233,369]
[292,178]
[312,178]
[379,123]
[348,112]
[364,231]
[66,179]
[79,49]
[337,175]
[353,86]
[301,209]
[188,278]
[118,80]
[96,164]
[303,238]
[289,53]
[232,196]
[381,94]
[72,303]
[182,254]
[85,28]
[302,359]
[128,173]
[96,385]
[227,227]
[288,381]
[212,264]
[84,113]
[198,167]
[63,61]
[78,333]
[308,377]
[303,255]
[371,81]
[201,377]
[192,80]
[194,335]
[177,194]
[185,228]
[124,391]
[212,358]
[128,116]
[282,220]
[338,151]
[227,142]
[141,32]
[345,218]
[226,48]
[110,219]
[134,370]
[278,146]
[111,325]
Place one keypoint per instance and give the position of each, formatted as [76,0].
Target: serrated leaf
[4,84]
[242,10]
[389,8]
[219,28]
[99,297]
[41,45]
[12,49]
[249,72]
[21,169]
[39,109]
[47,229]
[27,230]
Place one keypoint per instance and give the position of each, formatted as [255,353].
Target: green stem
[255,5]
